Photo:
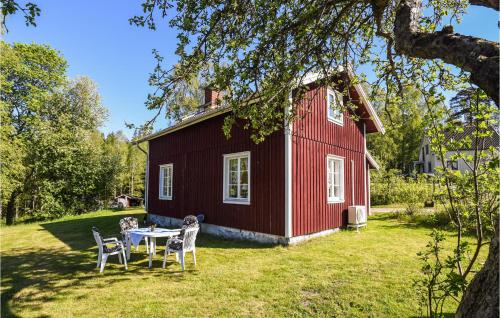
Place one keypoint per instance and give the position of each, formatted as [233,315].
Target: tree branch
[492,4]
[478,56]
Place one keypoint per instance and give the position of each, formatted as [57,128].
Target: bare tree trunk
[481,298]
[10,214]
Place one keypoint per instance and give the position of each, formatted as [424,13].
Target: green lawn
[48,270]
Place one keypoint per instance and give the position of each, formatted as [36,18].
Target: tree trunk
[10,213]
[481,299]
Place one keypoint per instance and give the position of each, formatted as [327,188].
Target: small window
[237,178]
[335,178]
[166,176]
[426,149]
[334,104]
[452,164]
[429,167]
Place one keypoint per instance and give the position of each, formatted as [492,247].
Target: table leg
[128,242]
[152,247]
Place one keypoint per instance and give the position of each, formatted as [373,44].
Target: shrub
[388,187]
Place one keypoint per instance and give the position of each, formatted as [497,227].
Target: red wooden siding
[197,156]
[314,137]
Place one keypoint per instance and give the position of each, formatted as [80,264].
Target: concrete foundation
[237,234]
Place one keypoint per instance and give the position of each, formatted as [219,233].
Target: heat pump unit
[356,216]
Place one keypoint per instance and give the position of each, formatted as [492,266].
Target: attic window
[334,104]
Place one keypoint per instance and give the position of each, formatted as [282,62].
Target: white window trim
[160,193]
[225,176]
[342,180]
[336,96]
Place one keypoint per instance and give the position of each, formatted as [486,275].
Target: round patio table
[136,235]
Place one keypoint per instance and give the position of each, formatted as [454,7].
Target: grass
[48,270]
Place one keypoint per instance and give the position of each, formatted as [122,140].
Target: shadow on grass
[28,272]
[77,233]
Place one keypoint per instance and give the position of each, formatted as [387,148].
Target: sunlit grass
[48,269]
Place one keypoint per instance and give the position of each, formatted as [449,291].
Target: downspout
[352,183]
[367,205]
[288,170]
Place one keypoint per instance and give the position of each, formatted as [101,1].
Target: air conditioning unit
[356,216]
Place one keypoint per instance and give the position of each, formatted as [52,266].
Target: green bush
[388,187]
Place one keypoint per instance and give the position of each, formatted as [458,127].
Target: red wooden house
[296,184]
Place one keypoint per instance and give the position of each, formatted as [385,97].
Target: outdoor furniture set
[179,242]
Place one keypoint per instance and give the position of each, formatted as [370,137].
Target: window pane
[244,177]
[233,191]
[244,163]
[336,191]
[233,164]
[233,177]
[244,191]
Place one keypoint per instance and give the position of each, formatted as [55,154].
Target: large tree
[29,75]
[266,48]
[49,125]
[262,50]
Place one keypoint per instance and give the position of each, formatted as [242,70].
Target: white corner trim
[146,183]
[288,169]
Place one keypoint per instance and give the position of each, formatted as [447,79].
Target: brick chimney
[211,97]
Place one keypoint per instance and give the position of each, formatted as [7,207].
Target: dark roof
[468,131]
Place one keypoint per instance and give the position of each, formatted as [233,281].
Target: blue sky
[97,40]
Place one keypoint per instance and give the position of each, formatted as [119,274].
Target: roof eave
[185,123]
[372,161]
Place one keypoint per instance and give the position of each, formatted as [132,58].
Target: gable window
[166,176]
[335,178]
[237,178]
[334,103]
[452,164]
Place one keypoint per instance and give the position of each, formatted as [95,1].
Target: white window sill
[332,201]
[229,201]
[165,198]
[335,121]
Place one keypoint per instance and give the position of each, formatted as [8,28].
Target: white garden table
[135,236]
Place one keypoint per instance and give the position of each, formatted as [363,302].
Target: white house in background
[428,161]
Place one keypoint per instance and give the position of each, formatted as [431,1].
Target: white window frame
[339,120]
[163,168]
[340,198]
[226,198]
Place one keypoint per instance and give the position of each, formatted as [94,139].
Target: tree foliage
[266,48]
[54,159]
[469,197]
[403,119]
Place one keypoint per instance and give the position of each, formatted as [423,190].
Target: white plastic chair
[105,251]
[181,246]
[129,223]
